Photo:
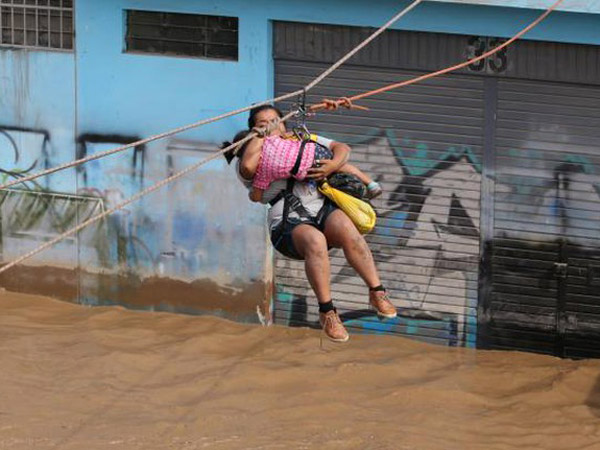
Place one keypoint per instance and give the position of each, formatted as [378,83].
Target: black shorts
[281,235]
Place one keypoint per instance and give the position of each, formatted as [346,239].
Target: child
[278,155]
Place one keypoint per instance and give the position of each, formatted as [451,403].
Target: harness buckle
[294,201]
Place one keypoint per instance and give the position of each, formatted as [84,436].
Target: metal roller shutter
[489,228]
[424,145]
[546,219]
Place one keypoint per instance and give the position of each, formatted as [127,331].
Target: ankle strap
[377,288]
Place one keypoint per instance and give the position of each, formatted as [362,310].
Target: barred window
[176,34]
[46,24]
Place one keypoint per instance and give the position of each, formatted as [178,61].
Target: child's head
[235,151]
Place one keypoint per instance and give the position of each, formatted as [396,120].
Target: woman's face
[265,117]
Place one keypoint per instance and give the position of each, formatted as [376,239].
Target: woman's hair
[255,111]
[231,153]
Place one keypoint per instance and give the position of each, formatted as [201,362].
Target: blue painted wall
[98,97]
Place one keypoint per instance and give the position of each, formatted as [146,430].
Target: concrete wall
[197,245]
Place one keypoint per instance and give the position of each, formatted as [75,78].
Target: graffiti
[90,143]
[23,150]
[30,211]
[126,247]
[559,200]
[29,218]
[436,207]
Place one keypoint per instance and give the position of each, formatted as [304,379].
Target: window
[175,34]
[46,24]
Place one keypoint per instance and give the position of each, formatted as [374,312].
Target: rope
[216,118]
[132,199]
[325,104]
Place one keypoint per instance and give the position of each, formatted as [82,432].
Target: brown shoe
[381,302]
[333,326]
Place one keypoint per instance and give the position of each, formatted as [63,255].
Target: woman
[312,225]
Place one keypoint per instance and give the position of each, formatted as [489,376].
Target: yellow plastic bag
[360,212]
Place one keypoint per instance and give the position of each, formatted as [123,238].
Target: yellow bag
[360,212]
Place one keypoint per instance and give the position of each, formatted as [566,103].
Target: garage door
[544,255]
[469,241]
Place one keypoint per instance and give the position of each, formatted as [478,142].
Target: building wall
[199,244]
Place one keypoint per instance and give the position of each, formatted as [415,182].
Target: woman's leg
[341,232]
[311,244]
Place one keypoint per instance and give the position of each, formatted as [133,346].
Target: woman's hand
[323,168]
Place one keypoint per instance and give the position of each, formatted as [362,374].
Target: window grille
[45,24]
[177,34]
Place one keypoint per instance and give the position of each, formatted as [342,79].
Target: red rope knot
[332,105]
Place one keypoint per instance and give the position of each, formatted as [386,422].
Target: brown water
[73,377]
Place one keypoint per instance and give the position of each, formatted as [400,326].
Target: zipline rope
[200,123]
[322,105]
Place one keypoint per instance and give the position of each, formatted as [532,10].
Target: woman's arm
[341,153]
[326,167]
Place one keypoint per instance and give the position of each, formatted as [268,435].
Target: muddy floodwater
[73,377]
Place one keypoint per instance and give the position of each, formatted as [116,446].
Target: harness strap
[290,200]
[278,197]
[296,167]
[286,202]
[294,171]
